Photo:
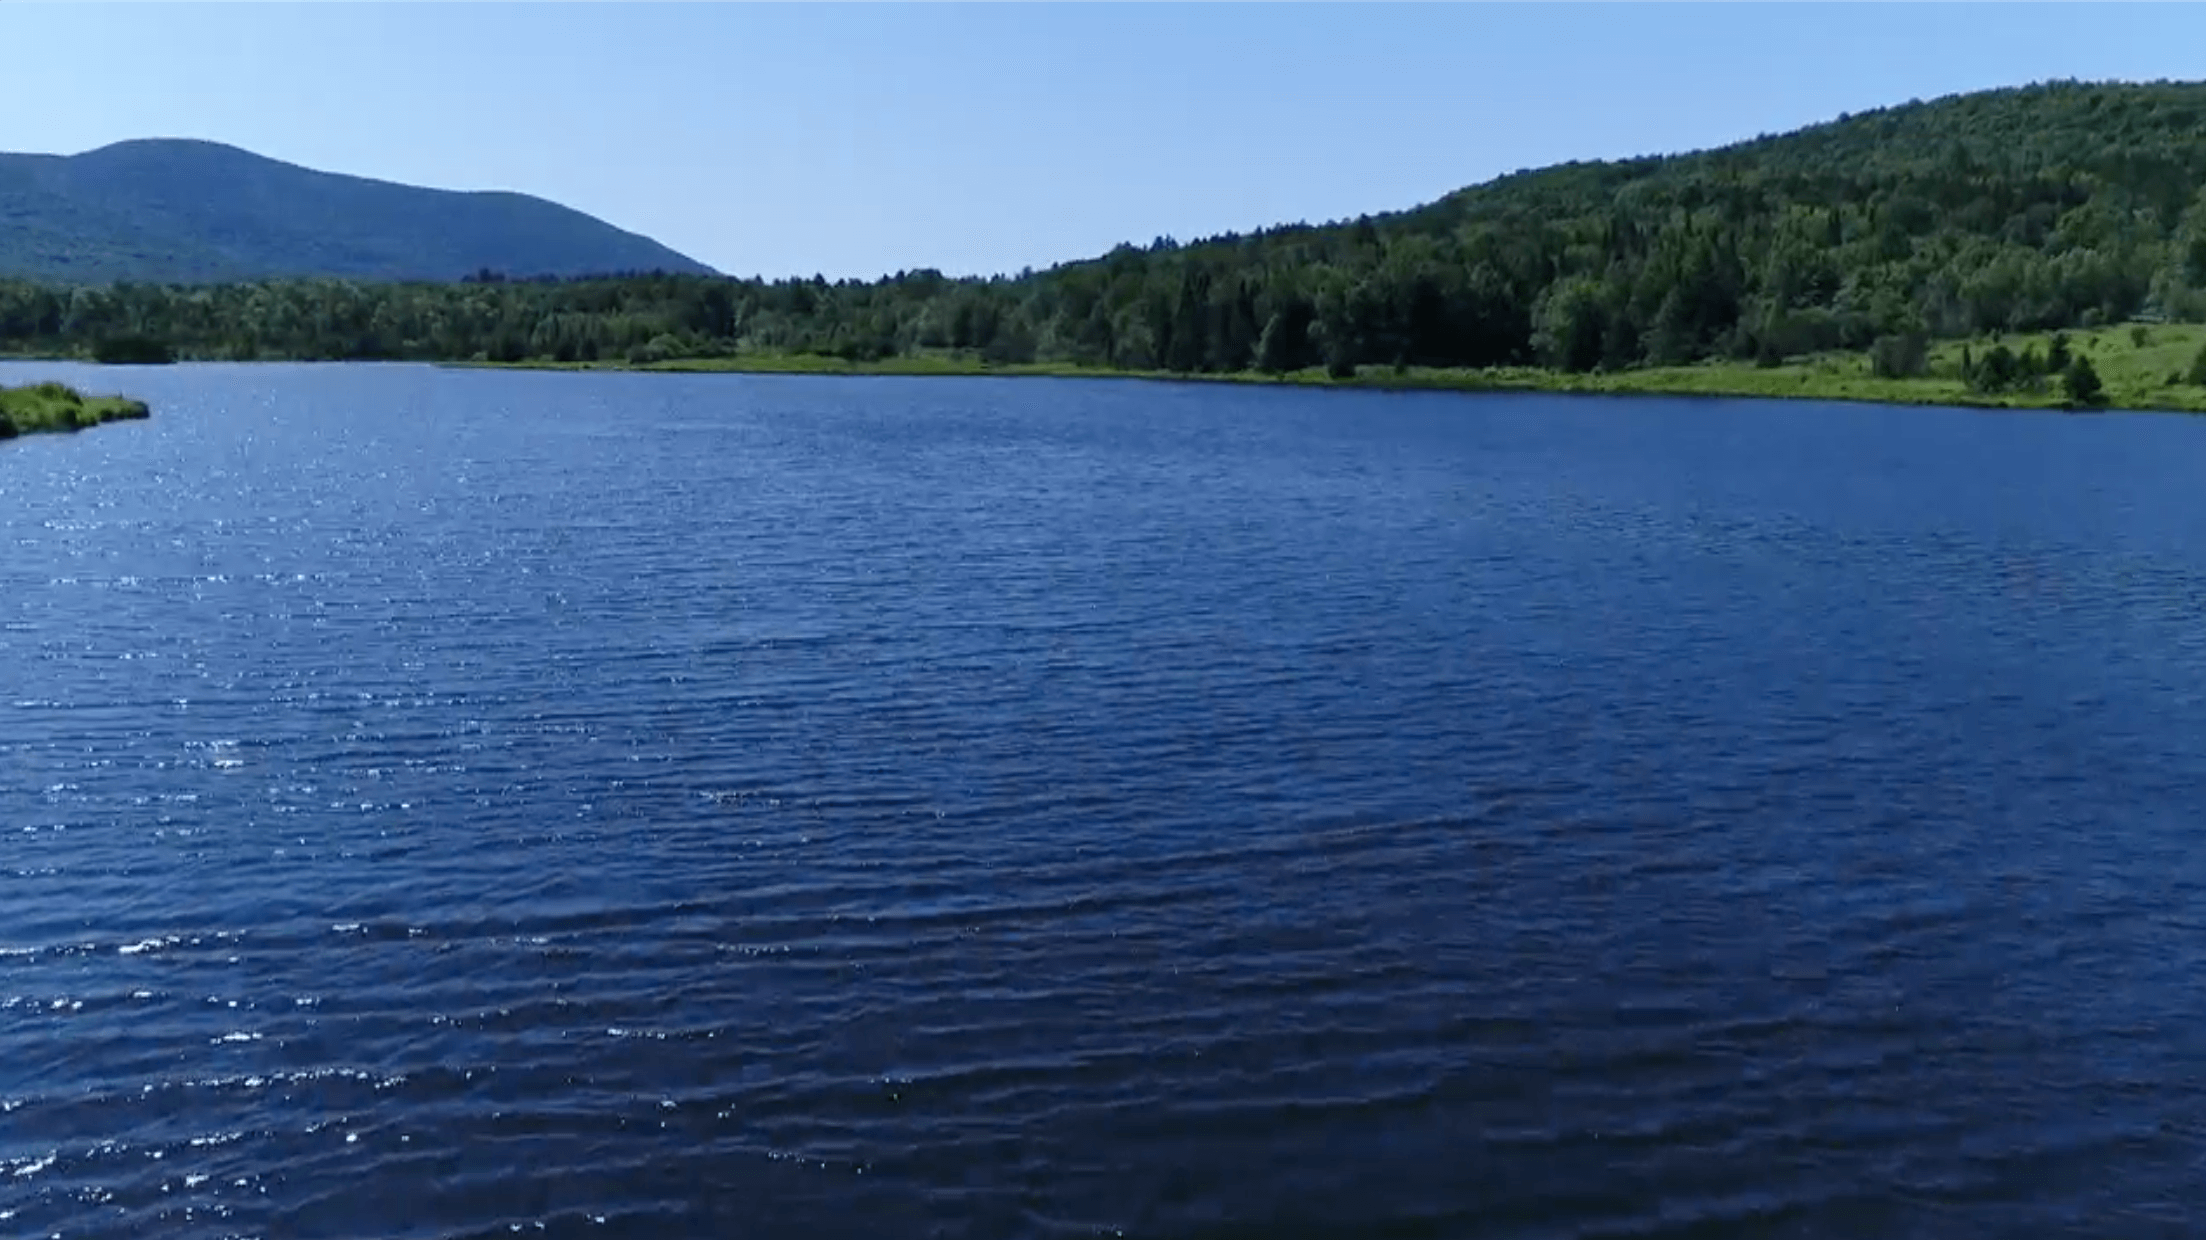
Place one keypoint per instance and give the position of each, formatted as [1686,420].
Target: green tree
[1013,346]
[1569,324]
[1279,348]
[1996,371]
[2081,382]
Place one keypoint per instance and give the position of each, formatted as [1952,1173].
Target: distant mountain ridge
[182,211]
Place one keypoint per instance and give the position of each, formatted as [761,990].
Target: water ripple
[447,804]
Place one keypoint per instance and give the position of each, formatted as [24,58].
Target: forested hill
[199,212]
[2047,206]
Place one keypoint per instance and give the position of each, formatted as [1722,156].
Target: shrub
[1900,357]
[1012,346]
[657,349]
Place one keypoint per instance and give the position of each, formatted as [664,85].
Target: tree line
[2056,206]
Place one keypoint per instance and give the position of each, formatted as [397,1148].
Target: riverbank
[2143,366]
[52,407]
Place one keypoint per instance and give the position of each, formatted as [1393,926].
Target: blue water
[446,804]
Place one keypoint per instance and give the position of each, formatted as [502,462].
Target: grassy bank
[2142,366]
[52,407]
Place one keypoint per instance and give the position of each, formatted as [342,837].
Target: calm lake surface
[450,804]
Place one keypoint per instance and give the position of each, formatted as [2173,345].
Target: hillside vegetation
[2058,206]
[166,211]
[2135,367]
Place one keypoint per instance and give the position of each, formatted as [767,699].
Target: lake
[441,803]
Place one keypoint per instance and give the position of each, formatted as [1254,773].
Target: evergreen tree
[2081,383]
[1997,371]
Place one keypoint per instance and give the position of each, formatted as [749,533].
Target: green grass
[2135,374]
[53,407]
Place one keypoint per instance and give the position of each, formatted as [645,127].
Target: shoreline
[2143,368]
[1715,382]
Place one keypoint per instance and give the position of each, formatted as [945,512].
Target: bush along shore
[54,407]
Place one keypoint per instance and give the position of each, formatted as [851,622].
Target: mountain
[2061,205]
[175,211]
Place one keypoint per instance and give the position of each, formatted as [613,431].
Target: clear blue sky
[856,140]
